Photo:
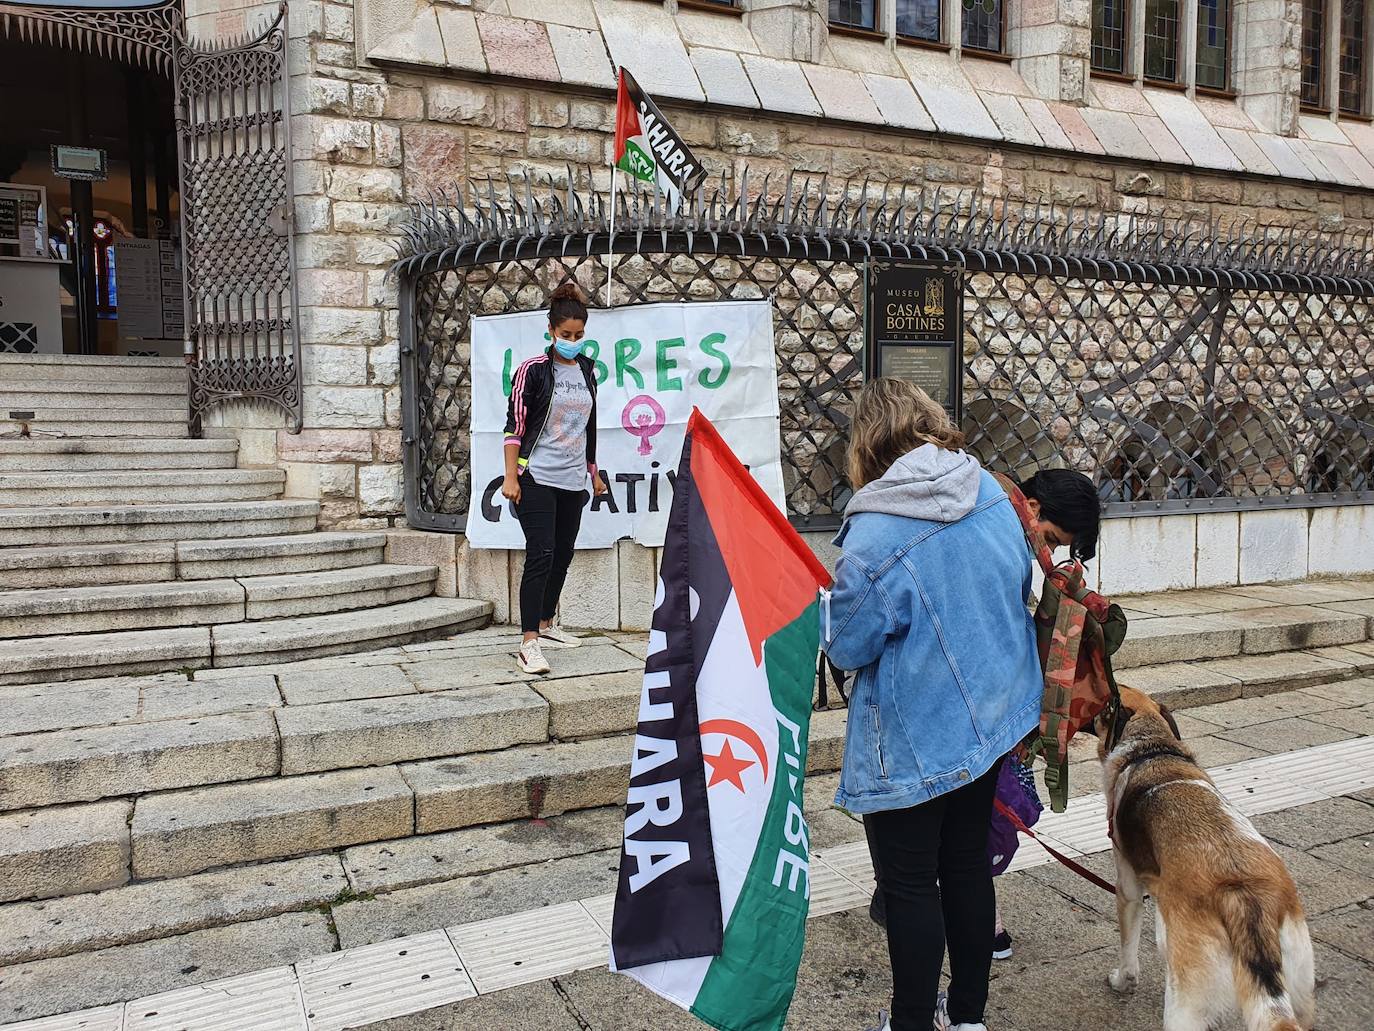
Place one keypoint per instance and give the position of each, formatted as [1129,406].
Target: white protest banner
[654,362]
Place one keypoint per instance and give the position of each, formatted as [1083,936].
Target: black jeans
[936,880]
[550,518]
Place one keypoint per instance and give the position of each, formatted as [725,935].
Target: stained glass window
[1352,57]
[1161,39]
[982,25]
[1313,52]
[1214,44]
[1109,36]
[855,14]
[919,19]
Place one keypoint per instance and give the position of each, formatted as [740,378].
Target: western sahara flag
[710,912]
[647,147]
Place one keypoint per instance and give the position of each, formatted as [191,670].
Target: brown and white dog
[1228,916]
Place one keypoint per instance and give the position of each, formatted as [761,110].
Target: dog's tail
[1259,963]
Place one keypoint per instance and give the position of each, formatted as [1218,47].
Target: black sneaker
[1001,946]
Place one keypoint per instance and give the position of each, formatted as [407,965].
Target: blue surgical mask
[567,348]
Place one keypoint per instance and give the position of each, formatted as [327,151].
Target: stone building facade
[394,101]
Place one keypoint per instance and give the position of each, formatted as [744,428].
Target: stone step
[87,565]
[39,770]
[93,655]
[73,396]
[85,454]
[1188,638]
[140,486]
[49,427]
[307,637]
[116,387]
[116,607]
[276,556]
[94,565]
[64,850]
[125,524]
[174,834]
[85,656]
[338,590]
[91,368]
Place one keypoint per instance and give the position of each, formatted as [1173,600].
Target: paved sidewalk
[1302,762]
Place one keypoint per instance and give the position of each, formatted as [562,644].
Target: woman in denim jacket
[929,606]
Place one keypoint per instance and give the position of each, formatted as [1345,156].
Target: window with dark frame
[855,14]
[1109,36]
[1313,53]
[1214,44]
[1353,95]
[920,19]
[981,25]
[1161,40]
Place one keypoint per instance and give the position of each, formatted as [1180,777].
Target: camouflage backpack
[1077,631]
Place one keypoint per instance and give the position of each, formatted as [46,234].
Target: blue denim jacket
[933,616]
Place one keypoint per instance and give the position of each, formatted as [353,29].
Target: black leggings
[936,880]
[550,518]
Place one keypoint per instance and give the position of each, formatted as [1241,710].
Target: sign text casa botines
[914,327]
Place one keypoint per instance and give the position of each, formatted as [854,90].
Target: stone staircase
[126,547]
[253,817]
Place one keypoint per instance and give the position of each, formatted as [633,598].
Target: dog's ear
[1169,719]
[1111,729]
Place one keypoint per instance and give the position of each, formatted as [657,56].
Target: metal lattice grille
[1180,368]
[233,132]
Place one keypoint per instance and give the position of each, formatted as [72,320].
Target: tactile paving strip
[525,947]
[106,1018]
[268,1000]
[1082,827]
[831,892]
[374,982]
[852,862]
[1260,789]
[602,910]
[1340,768]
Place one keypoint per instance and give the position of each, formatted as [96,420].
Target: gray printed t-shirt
[559,458]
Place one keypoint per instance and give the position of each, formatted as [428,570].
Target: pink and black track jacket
[528,407]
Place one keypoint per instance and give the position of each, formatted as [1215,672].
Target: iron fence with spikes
[1185,365]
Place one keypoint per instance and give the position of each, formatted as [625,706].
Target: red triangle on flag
[627,124]
[774,574]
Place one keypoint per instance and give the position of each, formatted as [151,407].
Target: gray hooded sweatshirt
[928,483]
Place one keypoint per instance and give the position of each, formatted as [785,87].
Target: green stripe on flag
[749,986]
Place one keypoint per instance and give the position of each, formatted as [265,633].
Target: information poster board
[23,220]
[150,295]
[914,327]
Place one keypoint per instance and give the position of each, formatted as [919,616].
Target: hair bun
[569,291]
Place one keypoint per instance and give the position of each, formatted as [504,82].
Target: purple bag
[1015,790]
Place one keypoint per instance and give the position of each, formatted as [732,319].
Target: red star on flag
[725,767]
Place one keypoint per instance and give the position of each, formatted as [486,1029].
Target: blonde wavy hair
[891,418]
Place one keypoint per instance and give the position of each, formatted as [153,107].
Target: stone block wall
[369,140]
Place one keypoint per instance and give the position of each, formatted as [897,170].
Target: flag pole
[611,237]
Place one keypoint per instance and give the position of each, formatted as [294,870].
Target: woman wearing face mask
[550,451]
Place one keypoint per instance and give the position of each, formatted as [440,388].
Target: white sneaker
[884,1024]
[942,1018]
[559,636]
[531,658]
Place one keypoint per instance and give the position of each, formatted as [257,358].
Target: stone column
[1266,48]
[1052,41]
[790,29]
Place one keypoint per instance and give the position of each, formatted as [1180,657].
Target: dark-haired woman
[550,450]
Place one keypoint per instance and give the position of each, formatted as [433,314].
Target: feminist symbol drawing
[646,422]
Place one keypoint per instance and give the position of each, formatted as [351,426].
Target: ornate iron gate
[234,137]
[1185,367]
[233,132]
